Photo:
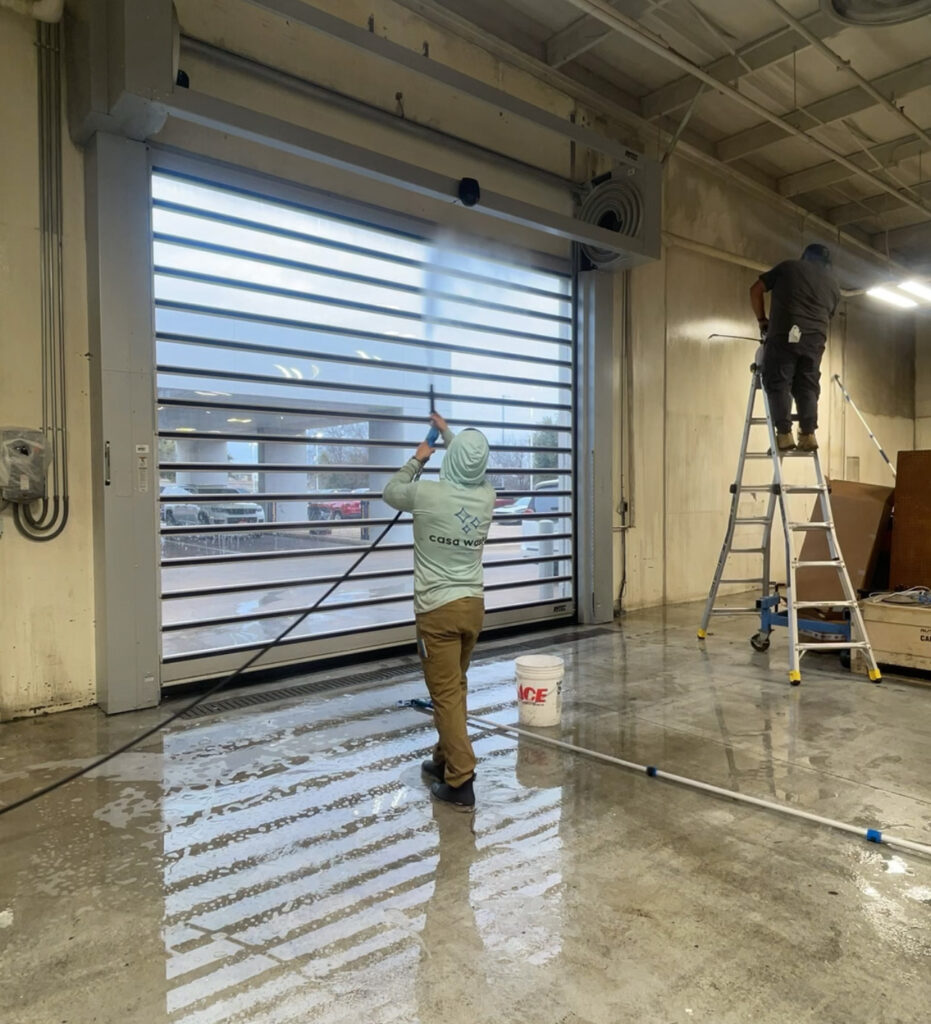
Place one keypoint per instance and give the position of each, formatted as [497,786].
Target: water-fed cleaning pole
[433,434]
[866,425]
[873,835]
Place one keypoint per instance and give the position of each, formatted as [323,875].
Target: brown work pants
[445,638]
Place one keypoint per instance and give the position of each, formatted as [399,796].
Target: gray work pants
[793,371]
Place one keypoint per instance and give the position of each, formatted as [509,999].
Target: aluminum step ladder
[851,634]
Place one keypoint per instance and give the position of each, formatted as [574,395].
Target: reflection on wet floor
[285,864]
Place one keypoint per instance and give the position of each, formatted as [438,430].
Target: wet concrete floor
[283,864]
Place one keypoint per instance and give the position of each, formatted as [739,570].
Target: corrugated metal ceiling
[786,76]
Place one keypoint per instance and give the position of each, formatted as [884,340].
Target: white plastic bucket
[539,689]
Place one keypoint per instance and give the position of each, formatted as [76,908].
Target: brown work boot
[807,443]
[785,442]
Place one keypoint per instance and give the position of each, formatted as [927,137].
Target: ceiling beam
[587,32]
[825,111]
[913,236]
[371,43]
[575,40]
[873,206]
[759,54]
[886,154]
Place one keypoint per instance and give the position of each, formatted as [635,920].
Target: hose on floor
[221,684]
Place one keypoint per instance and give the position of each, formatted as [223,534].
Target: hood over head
[466,459]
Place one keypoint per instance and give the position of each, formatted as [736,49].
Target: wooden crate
[900,634]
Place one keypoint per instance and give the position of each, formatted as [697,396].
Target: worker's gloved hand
[424,451]
[764,327]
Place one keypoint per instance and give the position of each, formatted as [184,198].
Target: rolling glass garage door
[296,339]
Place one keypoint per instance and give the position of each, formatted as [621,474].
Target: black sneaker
[435,769]
[460,798]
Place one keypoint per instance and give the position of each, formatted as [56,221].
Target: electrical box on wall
[24,459]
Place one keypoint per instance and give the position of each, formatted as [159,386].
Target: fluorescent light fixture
[916,288]
[893,298]
[185,430]
[236,419]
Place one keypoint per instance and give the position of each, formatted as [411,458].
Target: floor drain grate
[382,674]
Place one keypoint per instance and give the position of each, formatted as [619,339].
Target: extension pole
[871,834]
[866,426]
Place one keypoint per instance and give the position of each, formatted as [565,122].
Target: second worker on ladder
[805,295]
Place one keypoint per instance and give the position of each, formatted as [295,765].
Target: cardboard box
[911,535]
[862,519]
[900,634]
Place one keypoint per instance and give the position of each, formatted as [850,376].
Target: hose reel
[615,204]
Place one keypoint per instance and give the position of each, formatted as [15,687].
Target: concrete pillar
[391,459]
[285,453]
[197,449]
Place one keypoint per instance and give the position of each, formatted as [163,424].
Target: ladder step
[758,420]
[824,604]
[735,611]
[854,645]
[758,455]
[747,551]
[796,454]
[755,519]
[755,579]
[811,526]
[793,489]
[835,563]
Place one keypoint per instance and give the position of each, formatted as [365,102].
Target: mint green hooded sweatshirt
[452,517]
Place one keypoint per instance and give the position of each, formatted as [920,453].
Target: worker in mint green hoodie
[452,517]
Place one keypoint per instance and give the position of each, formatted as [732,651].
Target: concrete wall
[47,623]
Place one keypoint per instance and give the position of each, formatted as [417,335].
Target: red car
[339,508]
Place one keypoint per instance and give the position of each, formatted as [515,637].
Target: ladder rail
[732,517]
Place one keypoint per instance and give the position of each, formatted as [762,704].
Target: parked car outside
[181,513]
[541,502]
[227,512]
[512,512]
[544,504]
[339,508]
